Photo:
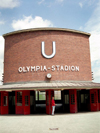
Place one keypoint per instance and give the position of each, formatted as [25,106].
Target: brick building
[43,62]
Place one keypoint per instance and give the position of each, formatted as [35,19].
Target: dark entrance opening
[65,100]
[58,101]
[32,102]
[83,100]
[40,101]
[11,102]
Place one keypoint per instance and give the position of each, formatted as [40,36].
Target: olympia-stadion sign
[57,67]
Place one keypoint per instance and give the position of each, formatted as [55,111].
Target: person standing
[53,106]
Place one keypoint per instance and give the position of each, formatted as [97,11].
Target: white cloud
[90,2]
[2,22]
[80,4]
[87,3]
[97,74]
[80,28]
[95,47]
[1,56]
[93,26]
[96,71]
[29,22]
[59,0]
[9,3]
[40,2]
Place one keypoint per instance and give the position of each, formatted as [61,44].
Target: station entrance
[39,102]
[43,101]
[83,100]
[11,102]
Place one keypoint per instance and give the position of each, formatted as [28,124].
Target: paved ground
[88,122]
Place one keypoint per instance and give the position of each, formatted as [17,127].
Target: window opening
[5,101]
[82,98]
[26,101]
[57,95]
[42,95]
[36,94]
[66,99]
[72,99]
[19,98]
[31,100]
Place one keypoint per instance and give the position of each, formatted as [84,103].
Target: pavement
[84,122]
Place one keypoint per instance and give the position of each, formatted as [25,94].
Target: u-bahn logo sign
[53,53]
[52,67]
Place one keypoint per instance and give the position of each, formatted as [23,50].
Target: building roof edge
[46,29]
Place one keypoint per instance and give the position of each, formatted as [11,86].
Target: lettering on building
[44,68]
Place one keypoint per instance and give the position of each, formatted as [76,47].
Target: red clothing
[53,102]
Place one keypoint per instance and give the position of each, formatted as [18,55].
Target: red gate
[19,102]
[99,98]
[26,102]
[4,102]
[0,102]
[94,100]
[73,100]
[49,95]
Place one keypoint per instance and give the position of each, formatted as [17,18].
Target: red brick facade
[24,49]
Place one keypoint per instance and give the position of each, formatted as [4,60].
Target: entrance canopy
[51,85]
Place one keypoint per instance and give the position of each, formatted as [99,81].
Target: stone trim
[46,29]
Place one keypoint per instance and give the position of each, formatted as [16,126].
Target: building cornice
[46,29]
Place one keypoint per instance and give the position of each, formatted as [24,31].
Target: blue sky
[83,15]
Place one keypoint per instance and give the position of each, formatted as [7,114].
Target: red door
[99,98]
[94,100]
[19,102]
[4,102]
[73,100]
[49,94]
[26,101]
[0,102]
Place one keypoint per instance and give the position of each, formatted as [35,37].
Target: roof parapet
[46,29]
